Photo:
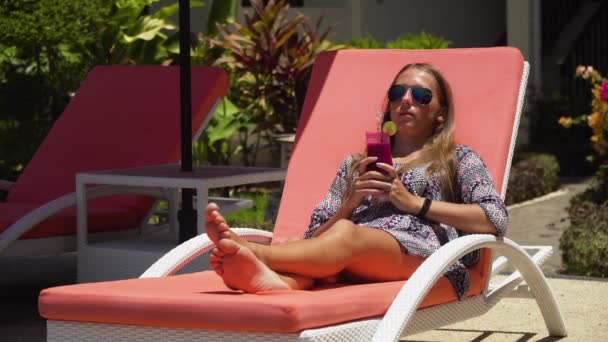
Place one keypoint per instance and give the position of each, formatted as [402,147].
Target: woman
[379,226]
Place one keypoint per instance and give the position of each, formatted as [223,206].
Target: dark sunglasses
[421,95]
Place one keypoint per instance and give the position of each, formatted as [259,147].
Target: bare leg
[363,253]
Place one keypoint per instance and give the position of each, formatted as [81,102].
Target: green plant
[584,244]
[221,12]
[130,36]
[365,43]
[46,49]
[37,71]
[269,58]
[253,217]
[423,40]
[214,144]
[532,175]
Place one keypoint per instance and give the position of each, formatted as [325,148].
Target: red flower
[604,91]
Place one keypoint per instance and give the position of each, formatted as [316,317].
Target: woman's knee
[344,232]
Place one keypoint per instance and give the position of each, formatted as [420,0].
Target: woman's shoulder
[463,149]
[465,152]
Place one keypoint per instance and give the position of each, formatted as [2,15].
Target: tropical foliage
[269,58]
[48,46]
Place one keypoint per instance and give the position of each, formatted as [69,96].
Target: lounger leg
[538,285]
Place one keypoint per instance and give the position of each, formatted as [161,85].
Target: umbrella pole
[187,215]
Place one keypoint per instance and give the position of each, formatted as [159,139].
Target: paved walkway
[583,304]
[583,301]
[542,221]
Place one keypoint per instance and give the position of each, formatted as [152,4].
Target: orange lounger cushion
[202,301]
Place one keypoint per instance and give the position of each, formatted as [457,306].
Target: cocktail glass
[378,145]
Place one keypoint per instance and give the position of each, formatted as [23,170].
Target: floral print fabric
[420,236]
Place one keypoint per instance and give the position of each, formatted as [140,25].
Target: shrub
[46,49]
[584,244]
[424,40]
[366,43]
[532,175]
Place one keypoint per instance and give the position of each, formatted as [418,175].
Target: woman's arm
[469,217]
[369,183]
[466,217]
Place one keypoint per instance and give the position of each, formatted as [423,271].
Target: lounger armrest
[183,254]
[420,283]
[6,185]
[48,209]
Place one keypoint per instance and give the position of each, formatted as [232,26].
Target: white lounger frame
[402,317]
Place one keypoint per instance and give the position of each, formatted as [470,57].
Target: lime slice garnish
[389,128]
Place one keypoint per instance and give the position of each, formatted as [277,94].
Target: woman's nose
[407,97]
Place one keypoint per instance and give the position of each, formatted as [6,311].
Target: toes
[215,217]
[228,246]
[223,227]
[211,207]
[209,212]
[217,268]
[219,219]
[218,252]
[215,259]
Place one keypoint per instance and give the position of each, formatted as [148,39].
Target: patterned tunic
[420,236]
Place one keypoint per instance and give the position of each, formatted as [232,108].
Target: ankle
[259,251]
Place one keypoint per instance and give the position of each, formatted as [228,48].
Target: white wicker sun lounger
[336,76]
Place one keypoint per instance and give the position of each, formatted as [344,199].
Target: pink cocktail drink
[379,145]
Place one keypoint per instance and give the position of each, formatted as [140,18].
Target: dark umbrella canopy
[187,215]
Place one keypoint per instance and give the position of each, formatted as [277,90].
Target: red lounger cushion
[120,117]
[202,301]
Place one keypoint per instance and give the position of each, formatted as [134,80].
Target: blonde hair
[439,149]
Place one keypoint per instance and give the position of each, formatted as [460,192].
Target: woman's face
[411,117]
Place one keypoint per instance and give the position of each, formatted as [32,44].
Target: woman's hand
[397,194]
[374,183]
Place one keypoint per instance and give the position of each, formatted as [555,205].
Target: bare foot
[242,270]
[217,229]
